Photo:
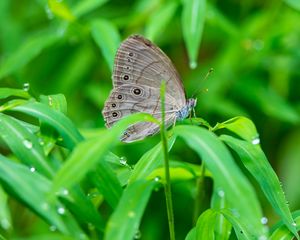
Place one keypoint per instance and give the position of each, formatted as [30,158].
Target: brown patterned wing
[138,61]
[128,99]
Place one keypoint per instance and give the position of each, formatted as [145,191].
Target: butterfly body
[139,69]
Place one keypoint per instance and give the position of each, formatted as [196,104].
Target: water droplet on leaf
[27,143]
[26,87]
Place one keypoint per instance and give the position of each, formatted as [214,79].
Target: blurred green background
[254,47]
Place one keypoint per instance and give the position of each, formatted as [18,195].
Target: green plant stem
[167,185]
[199,194]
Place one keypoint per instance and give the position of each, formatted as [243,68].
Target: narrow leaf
[107,38]
[124,222]
[226,175]
[256,162]
[55,119]
[193,18]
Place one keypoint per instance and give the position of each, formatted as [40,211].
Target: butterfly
[139,69]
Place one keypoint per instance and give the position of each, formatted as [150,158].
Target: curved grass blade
[193,18]
[226,175]
[280,231]
[149,162]
[57,102]
[32,188]
[89,152]
[256,162]
[108,184]
[5,217]
[222,227]
[124,222]
[107,38]
[55,119]
[160,19]
[204,227]
[241,126]
[8,92]
[25,145]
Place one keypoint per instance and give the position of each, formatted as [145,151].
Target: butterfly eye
[114,114]
[137,91]
[113,105]
[120,96]
[127,69]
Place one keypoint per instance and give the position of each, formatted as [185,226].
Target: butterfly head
[185,111]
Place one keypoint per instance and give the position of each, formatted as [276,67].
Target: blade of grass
[227,177]
[256,162]
[164,142]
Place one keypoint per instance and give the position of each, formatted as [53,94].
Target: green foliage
[64,176]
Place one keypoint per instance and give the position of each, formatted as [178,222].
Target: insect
[139,68]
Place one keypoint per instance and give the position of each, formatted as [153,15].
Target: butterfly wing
[139,69]
[130,98]
[139,61]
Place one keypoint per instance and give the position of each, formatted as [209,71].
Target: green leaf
[241,126]
[149,161]
[86,154]
[57,102]
[193,18]
[280,231]
[32,189]
[222,227]
[125,220]
[55,119]
[5,222]
[24,145]
[160,20]
[227,177]
[205,225]
[81,207]
[12,104]
[256,162]
[8,92]
[84,7]
[107,37]
[27,51]
[107,183]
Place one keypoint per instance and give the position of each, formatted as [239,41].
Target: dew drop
[52,228]
[32,169]
[294,224]
[26,87]
[60,139]
[264,220]
[27,143]
[61,210]
[5,224]
[64,192]
[123,161]
[193,65]
[221,193]
[157,179]
[131,214]
[256,141]
[138,234]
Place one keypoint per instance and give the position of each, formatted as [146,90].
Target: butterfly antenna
[200,88]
